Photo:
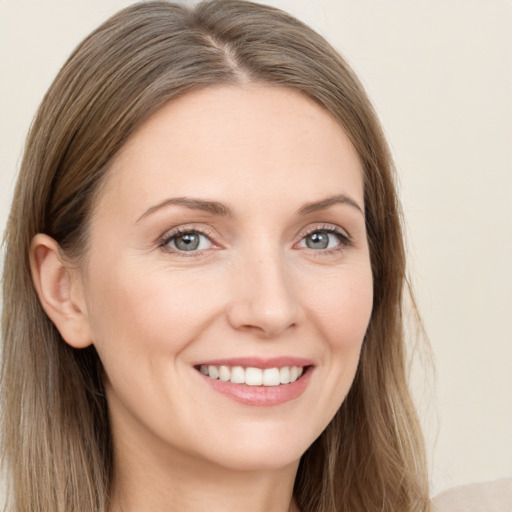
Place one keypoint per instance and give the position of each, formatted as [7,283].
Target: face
[228,285]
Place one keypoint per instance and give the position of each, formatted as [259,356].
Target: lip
[260,396]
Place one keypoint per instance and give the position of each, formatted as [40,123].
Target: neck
[181,482]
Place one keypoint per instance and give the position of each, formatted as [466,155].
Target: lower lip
[261,396]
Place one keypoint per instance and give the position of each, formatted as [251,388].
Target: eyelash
[344,239]
[168,237]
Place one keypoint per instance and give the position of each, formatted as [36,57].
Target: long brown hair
[55,432]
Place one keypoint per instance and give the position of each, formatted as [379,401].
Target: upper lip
[259,362]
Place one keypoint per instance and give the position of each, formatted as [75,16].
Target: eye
[323,239]
[187,241]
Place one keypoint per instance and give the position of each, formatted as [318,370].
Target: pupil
[317,241]
[188,242]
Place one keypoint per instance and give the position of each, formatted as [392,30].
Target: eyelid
[164,239]
[329,228]
[345,238]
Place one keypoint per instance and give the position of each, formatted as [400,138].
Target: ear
[60,291]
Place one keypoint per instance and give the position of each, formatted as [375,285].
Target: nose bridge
[265,298]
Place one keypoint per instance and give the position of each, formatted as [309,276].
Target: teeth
[224,373]
[213,372]
[237,375]
[284,375]
[253,376]
[271,377]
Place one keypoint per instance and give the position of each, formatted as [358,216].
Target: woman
[207,310]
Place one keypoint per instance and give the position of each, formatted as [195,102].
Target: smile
[257,381]
[252,376]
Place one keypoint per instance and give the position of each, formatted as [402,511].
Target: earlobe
[59,290]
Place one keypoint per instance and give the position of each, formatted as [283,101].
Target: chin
[260,461]
[262,451]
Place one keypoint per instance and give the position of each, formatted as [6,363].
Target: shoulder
[481,497]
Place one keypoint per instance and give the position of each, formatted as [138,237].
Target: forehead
[227,140]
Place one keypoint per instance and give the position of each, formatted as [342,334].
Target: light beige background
[440,75]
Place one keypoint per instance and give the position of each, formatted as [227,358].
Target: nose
[264,298]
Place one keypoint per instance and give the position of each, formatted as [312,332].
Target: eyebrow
[217,208]
[329,201]
[194,204]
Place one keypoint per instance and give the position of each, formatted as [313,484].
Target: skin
[254,288]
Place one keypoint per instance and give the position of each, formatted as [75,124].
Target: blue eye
[188,241]
[322,240]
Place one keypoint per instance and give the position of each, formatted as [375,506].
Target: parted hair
[56,438]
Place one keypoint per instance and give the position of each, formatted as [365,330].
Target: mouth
[256,382]
[253,376]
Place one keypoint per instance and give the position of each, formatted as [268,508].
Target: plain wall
[440,76]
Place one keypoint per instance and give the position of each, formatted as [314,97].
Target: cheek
[144,311]
[344,311]
[343,307]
